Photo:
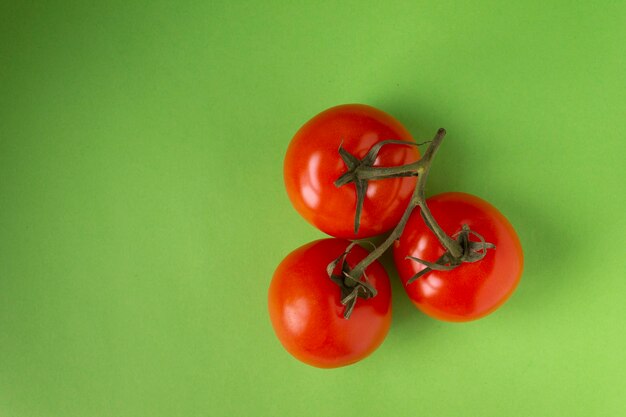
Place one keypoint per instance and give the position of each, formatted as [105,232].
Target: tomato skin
[306,311]
[472,290]
[312,164]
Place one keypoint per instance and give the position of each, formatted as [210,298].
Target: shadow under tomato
[549,247]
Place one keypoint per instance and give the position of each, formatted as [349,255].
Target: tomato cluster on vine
[355,172]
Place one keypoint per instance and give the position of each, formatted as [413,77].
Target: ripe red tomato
[471,290]
[306,311]
[313,163]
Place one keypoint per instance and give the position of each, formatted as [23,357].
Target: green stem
[422,168]
[381,173]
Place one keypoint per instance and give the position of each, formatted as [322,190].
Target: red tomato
[471,290]
[307,314]
[312,164]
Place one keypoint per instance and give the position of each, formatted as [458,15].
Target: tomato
[471,290]
[313,163]
[308,316]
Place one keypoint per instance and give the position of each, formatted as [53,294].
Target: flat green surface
[142,209]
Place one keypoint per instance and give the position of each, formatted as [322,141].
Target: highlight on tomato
[308,302]
[459,291]
[334,141]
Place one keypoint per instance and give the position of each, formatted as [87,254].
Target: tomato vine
[459,249]
[354,172]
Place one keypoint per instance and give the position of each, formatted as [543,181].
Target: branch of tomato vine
[421,169]
[458,250]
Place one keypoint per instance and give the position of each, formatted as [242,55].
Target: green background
[142,209]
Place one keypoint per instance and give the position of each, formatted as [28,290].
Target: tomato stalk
[366,171]
[420,168]
[459,248]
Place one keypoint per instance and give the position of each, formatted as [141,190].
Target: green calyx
[361,171]
[351,288]
[471,252]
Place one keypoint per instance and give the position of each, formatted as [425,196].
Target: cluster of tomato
[308,308]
